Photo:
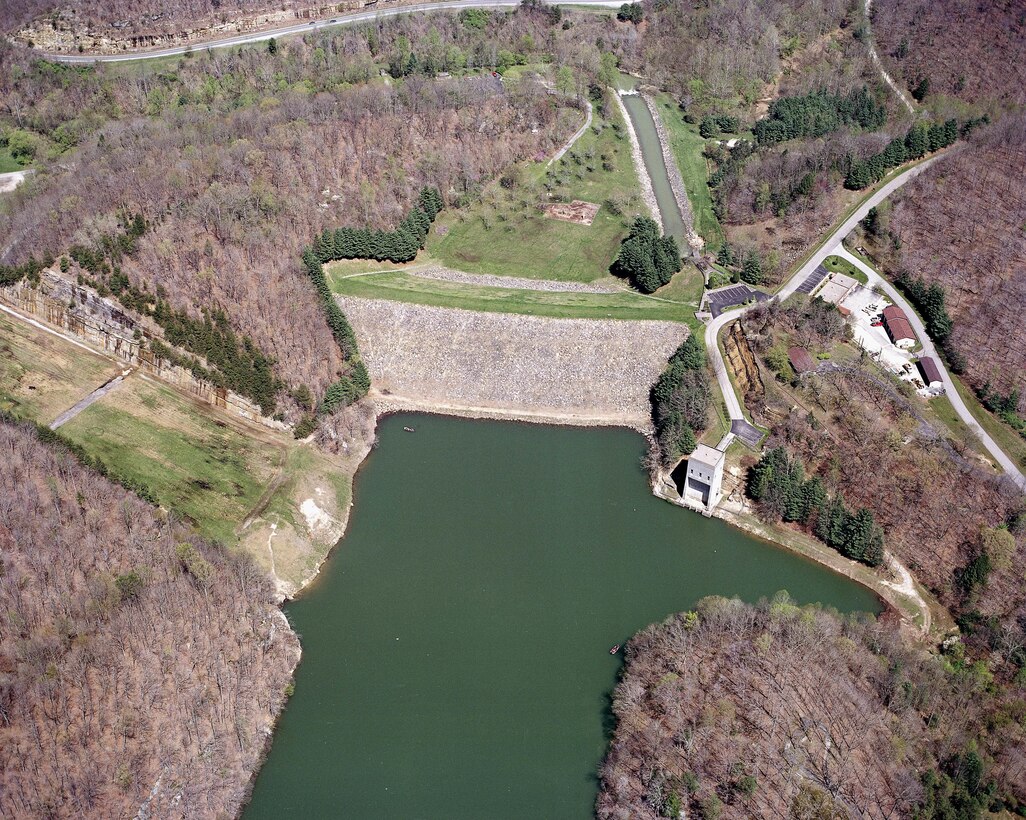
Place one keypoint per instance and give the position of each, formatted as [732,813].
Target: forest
[121,624]
[775,710]
[244,191]
[778,483]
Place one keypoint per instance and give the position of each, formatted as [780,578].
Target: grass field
[197,465]
[42,375]
[942,411]
[687,147]
[399,286]
[505,234]
[8,163]
[836,264]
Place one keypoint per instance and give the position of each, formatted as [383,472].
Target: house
[705,475]
[930,372]
[801,361]
[898,327]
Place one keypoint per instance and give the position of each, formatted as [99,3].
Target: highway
[341,20]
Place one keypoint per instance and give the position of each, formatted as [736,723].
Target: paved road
[302,28]
[930,349]
[828,248]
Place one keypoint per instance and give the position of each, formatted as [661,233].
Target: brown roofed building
[801,361]
[931,373]
[898,327]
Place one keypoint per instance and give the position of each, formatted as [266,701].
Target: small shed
[930,372]
[801,361]
[898,327]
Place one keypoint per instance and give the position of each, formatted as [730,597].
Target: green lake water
[455,647]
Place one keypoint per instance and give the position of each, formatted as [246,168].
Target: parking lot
[717,301]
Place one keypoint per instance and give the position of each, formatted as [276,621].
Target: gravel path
[570,142]
[487,280]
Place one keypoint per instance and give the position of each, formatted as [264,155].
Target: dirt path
[570,142]
[879,64]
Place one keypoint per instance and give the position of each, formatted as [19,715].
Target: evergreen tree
[751,271]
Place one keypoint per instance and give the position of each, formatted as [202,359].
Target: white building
[705,476]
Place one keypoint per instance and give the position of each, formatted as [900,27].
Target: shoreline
[898,596]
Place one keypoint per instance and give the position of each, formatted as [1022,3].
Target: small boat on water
[614,650]
[409,430]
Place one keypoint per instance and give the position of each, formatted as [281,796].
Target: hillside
[736,711]
[265,157]
[969,51]
[127,19]
[140,669]
[960,225]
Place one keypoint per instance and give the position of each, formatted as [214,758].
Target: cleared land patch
[512,365]
[240,483]
[40,375]
[581,213]
[489,236]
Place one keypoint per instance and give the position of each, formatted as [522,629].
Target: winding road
[833,246]
[302,28]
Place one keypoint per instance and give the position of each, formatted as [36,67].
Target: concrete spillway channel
[674,208]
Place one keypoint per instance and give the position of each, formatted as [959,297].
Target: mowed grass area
[835,264]
[8,163]
[687,146]
[42,375]
[942,411]
[505,234]
[197,465]
[399,286]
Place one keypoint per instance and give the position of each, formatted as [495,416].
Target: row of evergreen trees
[918,142]
[778,483]
[646,258]
[238,364]
[400,245]
[680,401]
[354,384]
[818,113]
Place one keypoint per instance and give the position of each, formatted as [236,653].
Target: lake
[455,646]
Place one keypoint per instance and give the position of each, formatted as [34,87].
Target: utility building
[931,373]
[898,327]
[705,476]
